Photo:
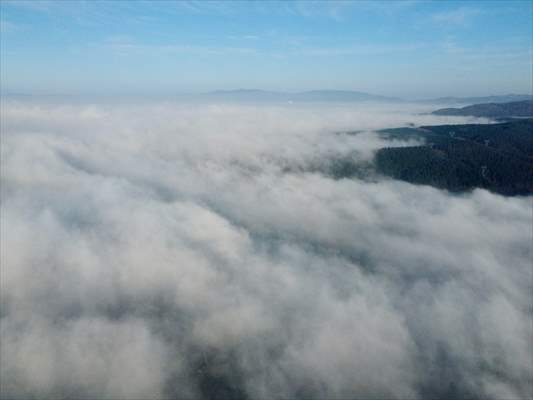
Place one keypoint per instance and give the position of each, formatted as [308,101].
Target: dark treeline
[492,110]
[497,157]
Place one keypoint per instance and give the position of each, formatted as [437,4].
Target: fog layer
[193,251]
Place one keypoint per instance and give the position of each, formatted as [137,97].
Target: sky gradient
[407,49]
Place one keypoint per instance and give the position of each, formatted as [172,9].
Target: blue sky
[410,49]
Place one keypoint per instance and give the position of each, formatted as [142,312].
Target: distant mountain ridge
[479,100]
[311,95]
[259,95]
[491,110]
[327,95]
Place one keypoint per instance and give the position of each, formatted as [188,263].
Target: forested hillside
[492,110]
[497,157]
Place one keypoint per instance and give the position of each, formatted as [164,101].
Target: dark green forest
[497,157]
[492,110]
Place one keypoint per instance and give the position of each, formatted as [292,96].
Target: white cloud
[177,250]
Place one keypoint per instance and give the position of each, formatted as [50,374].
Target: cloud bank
[171,250]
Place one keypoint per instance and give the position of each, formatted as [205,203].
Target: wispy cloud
[243,37]
[494,52]
[338,10]
[33,5]
[84,13]
[330,9]
[459,16]
[10,27]
[123,46]
[359,49]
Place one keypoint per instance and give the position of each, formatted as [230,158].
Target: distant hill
[492,110]
[307,96]
[342,95]
[478,100]
[497,157]
[348,96]
[258,95]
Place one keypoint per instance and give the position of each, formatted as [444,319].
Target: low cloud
[199,251]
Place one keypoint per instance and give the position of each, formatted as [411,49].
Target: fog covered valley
[165,249]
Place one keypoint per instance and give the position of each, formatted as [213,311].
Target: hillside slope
[497,157]
[491,110]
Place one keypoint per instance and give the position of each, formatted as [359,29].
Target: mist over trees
[497,157]
[174,250]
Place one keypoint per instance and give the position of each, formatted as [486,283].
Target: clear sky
[410,49]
